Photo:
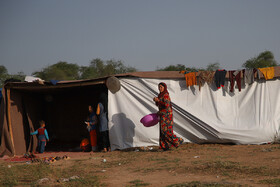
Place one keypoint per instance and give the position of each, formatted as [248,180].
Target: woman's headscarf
[164,91]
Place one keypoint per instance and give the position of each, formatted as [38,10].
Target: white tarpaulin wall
[251,116]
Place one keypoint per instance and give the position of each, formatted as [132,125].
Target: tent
[63,106]
[0,95]
[209,115]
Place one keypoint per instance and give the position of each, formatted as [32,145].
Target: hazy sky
[144,34]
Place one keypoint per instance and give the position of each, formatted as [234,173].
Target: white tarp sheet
[251,116]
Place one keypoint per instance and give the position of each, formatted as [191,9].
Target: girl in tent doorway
[167,138]
[91,126]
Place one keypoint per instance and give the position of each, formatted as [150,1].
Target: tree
[3,75]
[178,67]
[99,68]
[213,66]
[264,59]
[19,76]
[87,72]
[59,71]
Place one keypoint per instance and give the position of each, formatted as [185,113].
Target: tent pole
[9,118]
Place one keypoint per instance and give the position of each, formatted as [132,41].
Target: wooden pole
[9,118]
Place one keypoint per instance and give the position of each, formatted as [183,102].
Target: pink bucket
[150,120]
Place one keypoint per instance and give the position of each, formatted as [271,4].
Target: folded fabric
[267,72]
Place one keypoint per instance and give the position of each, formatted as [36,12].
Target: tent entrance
[64,111]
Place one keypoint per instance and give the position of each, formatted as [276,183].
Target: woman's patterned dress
[167,138]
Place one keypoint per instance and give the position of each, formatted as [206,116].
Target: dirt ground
[189,165]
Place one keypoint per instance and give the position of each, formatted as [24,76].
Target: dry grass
[190,165]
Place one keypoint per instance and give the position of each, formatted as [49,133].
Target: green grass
[271,181]
[29,174]
[137,182]
[227,168]
[204,184]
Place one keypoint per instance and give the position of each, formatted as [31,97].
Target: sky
[144,34]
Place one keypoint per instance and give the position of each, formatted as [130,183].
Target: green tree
[59,71]
[3,75]
[213,66]
[178,67]
[19,76]
[99,68]
[87,72]
[264,59]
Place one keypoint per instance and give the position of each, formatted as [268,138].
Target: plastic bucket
[150,120]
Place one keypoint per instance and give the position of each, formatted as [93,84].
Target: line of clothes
[219,76]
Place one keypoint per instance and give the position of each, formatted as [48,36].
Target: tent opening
[64,110]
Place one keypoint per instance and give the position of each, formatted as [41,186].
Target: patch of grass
[138,182]
[221,157]
[212,148]
[161,164]
[85,181]
[164,160]
[22,174]
[200,184]
[228,168]
[148,170]
[110,164]
[270,181]
[158,160]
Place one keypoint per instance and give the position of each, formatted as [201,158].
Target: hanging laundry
[205,76]
[249,75]
[190,78]
[235,76]
[267,72]
[220,76]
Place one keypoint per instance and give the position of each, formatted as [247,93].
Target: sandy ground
[225,165]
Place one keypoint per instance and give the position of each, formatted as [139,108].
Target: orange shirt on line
[190,79]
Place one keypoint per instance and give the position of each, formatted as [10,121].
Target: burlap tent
[209,115]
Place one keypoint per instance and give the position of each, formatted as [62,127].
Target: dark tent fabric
[0,95]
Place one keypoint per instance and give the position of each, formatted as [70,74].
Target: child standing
[91,126]
[42,136]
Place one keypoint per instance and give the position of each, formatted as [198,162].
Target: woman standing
[103,122]
[167,138]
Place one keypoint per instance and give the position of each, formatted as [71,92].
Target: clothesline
[219,76]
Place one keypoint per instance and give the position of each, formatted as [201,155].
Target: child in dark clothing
[42,136]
